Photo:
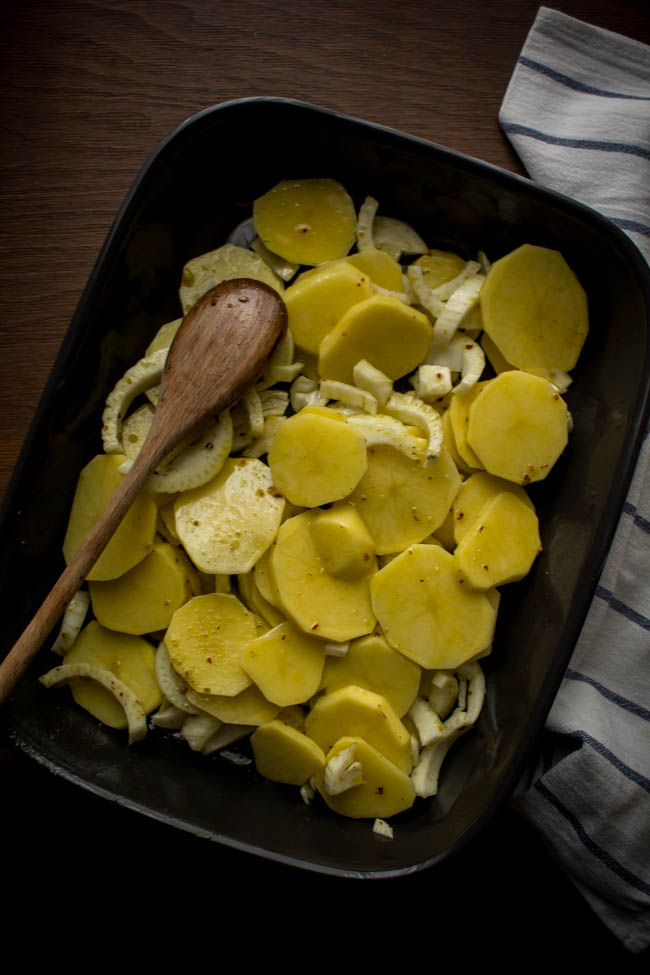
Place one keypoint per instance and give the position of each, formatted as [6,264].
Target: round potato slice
[518,426]
[307,221]
[226,525]
[384,789]
[428,613]
[502,544]
[285,754]
[535,310]
[205,641]
[402,500]
[319,603]
[286,664]
[474,494]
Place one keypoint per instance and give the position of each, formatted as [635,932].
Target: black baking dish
[196,187]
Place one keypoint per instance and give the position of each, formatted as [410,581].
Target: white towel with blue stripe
[577,112]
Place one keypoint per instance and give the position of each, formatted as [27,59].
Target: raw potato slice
[384,791]
[458,411]
[144,599]
[318,299]
[343,541]
[439,267]
[134,537]
[307,221]
[320,604]
[285,754]
[371,663]
[317,457]
[164,336]
[502,545]
[226,525]
[285,664]
[256,602]
[518,426]
[474,494]
[390,335]
[223,264]
[129,658]
[249,707]
[535,310]
[205,641]
[360,712]
[402,501]
[427,613]
[380,267]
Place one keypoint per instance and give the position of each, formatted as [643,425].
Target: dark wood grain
[88,90]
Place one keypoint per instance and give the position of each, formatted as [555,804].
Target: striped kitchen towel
[577,112]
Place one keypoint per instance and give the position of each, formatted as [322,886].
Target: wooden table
[89,89]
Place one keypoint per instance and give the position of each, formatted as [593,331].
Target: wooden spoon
[219,351]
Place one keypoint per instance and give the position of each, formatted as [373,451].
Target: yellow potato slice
[518,426]
[317,457]
[164,336]
[402,500]
[535,310]
[134,536]
[318,603]
[318,299]
[223,264]
[129,658]
[343,541]
[256,602]
[439,267]
[248,707]
[357,711]
[144,599]
[474,494]
[384,791]
[226,525]
[285,754]
[390,335]
[285,664]
[428,613]
[502,545]
[306,221]
[205,641]
[372,663]
[380,267]
[458,412]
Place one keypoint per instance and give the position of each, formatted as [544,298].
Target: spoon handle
[41,625]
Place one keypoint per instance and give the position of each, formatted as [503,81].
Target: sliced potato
[401,500]
[205,642]
[144,599]
[248,707]
[318,299]
[390,335]
[285,754]
[384,790]
[134,536]
[427,612]
[343,541]
[458,413]
[535,310]
[129,658]
[317,457]
[502,544]
[439,267]
[357,711]
[319,603]
[474,494]
[518,426]
[381,268]
[286,664]
[307,221]
[227,524]
[372,663]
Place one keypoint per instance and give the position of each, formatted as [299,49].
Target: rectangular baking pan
[197,186]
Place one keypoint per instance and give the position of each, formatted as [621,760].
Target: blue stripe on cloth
[597,851]
[632,225]
[513,128]
[631,509]
[622,702]
[620,766]
[622,608]
[565,79]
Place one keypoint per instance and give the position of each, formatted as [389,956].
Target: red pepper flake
[314,626]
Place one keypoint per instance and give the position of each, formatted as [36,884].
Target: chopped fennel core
[343,771]
[373,380]
[382,828]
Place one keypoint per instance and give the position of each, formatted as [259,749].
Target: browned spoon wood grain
[219,351]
